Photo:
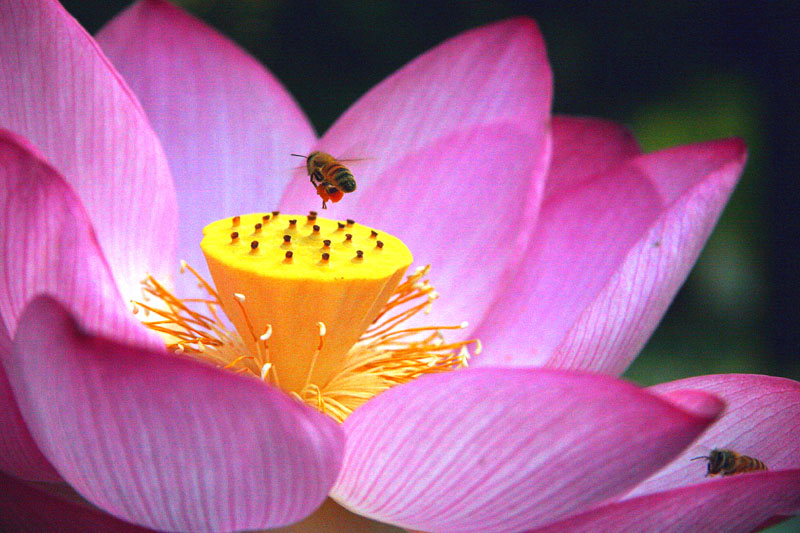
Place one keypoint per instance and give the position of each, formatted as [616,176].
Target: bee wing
[354,160]
[357,165]
[295,172]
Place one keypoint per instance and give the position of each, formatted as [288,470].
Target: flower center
[316,305]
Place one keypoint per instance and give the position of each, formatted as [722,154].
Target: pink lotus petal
[496,74]
[19,455]
[738,503]
[469,247]
[503,449]
[227,124]
[164,441]
[29,508]
[761,420]
[460,134]
[584,147]
[47,245]
[607,258]
[59,91]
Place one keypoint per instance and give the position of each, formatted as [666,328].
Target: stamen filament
[322,332]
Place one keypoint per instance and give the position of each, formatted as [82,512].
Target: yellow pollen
[321,321]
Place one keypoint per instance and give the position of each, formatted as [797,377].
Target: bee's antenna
[298,155]
[696,458]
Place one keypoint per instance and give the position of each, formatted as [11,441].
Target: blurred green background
[674,72]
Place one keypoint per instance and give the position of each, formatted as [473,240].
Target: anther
[265,369]
[350,221]
[234,237]
[236,220]
[257,229]
[379,244]
[373,234]
[183,266]
[268,333]
[254,247]
[239,297]
[135,308]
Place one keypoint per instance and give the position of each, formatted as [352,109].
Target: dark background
[675,72]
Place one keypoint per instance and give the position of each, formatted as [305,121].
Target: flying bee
[329,177]
[729,462]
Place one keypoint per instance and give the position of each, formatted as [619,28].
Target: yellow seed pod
[292,273]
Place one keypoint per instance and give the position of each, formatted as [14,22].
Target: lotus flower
[553,237]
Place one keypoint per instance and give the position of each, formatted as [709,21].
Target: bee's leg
[323,195]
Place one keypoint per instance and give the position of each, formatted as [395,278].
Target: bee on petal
[329,177]
[729,462]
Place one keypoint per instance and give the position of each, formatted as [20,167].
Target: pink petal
[458,142]
[19,455]
[607,258]
[584,147]
[761,420]
[47,245]
[164,441]
[226,123]
[502,449]
[469,249]
[59,91]
[25,507]
[738,503]
[492,75]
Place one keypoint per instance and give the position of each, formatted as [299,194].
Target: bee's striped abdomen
[338,175]
[750,464]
